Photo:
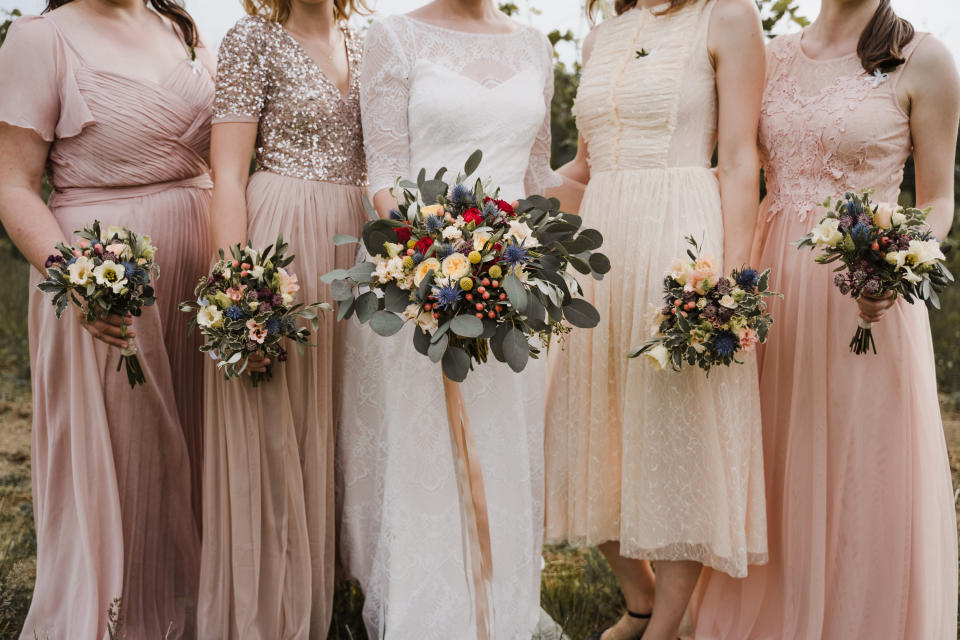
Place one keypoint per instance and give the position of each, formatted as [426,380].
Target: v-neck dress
[268,552]
[110,466]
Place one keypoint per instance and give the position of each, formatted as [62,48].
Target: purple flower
[264,308]
[723,286]
[277,300]
[252,295]
[282,355]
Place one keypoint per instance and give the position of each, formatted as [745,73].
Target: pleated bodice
[648,97]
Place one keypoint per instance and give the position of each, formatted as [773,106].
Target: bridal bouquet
[246,306]
[475,274]
[104,273]
[707,318]
[882,249]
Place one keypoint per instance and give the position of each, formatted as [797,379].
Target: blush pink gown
[111,468]
[863,537]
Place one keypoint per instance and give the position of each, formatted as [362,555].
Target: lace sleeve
[241,76]
[540,176]
[384,96]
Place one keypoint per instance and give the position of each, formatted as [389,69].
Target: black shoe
[637,616]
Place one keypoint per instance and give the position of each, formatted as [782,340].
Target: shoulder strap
[907,54]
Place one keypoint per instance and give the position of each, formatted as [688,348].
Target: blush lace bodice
[827,127]
[432,95]
[648,97]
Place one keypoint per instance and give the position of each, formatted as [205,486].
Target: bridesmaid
[649,465]
[863,536]
[107,99]
[287,85]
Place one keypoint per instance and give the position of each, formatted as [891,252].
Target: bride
[438,83]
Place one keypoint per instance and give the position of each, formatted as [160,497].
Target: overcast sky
[941,17]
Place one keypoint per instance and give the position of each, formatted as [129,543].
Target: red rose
[505,206]
[423,244]
[473,215]
[403,234]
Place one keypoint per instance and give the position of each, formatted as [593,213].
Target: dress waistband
[686,169]
[82,196]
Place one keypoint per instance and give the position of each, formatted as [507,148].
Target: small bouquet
[882,248]
[707,318]
[105,273]
[474,273]
[245,306]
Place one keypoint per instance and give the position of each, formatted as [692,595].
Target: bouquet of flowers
[105,273]
[707,318]
[246,306]
[882,249]
[474,273]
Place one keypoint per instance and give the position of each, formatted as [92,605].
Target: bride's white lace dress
[430,97]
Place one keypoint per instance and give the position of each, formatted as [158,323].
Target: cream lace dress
[430,97]
[669,464]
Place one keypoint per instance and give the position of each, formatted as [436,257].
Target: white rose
[897,258]
[480,238]
[424,319]
[520,232]
[455,266]
[898,218]
[210,316]
[658,356]
[827,232]
[883,216]
[728,302]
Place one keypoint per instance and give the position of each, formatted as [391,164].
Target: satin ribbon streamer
[473,509]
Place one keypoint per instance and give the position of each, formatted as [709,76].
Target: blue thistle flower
[444,250]
[433,223]
[725,344]
[748,278]
[853,205]
[71,261]
[860,231]
[462,195]
[417,258]
[129,269]
[235,313]
[288,325]
[447,296]
[272,326]
[395,215]
[515,254]
[491,209]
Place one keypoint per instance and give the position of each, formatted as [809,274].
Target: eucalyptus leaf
[456,364]
[395,298]
[516,292]
[496,342]
[366,305]
[467,326]
[436,350]
[581,313]
[432,190]
[342,238]
[516,349]
[386,323]
[368,207]
[362,273]
[336,274]
[473,163]
[421,341]
[341,290]
[345,309]
[600,263]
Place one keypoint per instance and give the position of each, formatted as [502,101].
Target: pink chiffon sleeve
[38,88]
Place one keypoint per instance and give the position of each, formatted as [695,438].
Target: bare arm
[31,225]
[231,146]
[578,169]
[736,44]
[930,78]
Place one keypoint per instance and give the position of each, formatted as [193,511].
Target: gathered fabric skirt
[669,464]
[111,466]
[267,565]
[863,536]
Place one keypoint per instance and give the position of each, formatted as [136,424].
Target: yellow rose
[455,266]
[425,267]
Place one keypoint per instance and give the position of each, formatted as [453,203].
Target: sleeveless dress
[863,537]
[668,464]
[110,467]
[267,568]
[431,96]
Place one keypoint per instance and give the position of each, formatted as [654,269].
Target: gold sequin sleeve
[241,73]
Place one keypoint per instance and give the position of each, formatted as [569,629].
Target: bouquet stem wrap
[473,509]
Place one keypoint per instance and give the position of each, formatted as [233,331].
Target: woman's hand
[257,363]
[872,309]
[114,330]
